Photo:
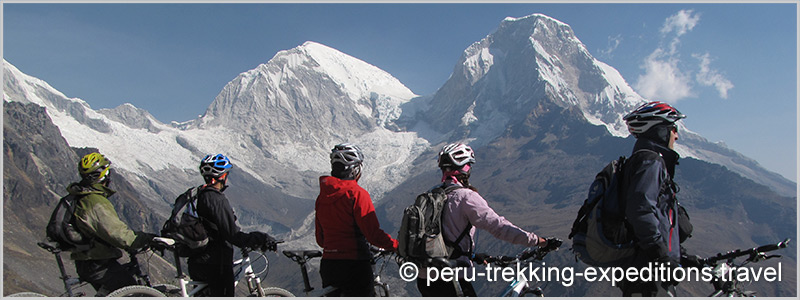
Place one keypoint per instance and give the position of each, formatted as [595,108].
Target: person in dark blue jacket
[651,207]
[215,265]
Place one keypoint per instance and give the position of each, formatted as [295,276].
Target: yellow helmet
[94,167]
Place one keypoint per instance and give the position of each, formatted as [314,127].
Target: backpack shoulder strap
[455,244]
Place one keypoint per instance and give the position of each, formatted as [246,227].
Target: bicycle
[724,265]
[302,257]
[243,268]
[142,289]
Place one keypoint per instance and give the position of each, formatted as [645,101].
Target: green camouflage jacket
[97,218]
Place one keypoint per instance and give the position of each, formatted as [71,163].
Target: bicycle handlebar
[536,254]
[752,252]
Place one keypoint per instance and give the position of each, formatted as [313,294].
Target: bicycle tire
[136,291]
[381,289]
[26,294]
[276,292]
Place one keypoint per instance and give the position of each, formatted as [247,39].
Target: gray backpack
[420,238]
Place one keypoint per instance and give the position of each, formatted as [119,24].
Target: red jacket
[346,221]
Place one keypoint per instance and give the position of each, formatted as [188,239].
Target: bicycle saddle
[303,255]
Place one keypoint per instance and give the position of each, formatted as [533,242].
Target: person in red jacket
[346,224]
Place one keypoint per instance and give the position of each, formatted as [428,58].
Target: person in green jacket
[97,219]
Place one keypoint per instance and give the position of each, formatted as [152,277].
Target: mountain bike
[302,257]
[724,265]
[142,289]
[243,269]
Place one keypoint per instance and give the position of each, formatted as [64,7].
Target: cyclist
[465,210]
[95,217]
[651,207]
[215,264]
[345,221]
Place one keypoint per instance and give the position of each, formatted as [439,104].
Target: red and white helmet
[455,156]
[650,114]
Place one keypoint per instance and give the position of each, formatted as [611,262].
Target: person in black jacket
[215,265]
[651,207]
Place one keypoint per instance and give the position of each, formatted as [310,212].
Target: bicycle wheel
[276,292]
[168,290]
[26,294]
[381,289]
[136,291]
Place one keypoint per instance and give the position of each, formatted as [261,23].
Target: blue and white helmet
[215,165]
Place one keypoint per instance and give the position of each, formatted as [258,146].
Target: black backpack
[420,237]
[185,226]
[601,236]
[61,228]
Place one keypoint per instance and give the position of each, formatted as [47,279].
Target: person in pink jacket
[465,212]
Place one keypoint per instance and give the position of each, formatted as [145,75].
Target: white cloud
[681,22]
[663,79]
[711,77]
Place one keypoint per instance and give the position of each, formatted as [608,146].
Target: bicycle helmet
[455,156]
[94,168]
[215,166]
[347,154]
[650,114]
[346,160]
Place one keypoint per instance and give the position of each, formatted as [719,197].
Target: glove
[552,244]
[269,244]
[691,261]
[480,258]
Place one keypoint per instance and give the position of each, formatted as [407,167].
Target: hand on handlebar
[552,244]
[480,258]
[270,245]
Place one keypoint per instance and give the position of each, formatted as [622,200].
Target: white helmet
[455,156]
[346,154]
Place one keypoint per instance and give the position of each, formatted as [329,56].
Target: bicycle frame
[245,270]
[306,256]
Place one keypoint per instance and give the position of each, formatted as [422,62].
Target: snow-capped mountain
[281,118]
[529,97]
[502,79]
[276,122]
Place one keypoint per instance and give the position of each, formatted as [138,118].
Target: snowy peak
[298,83]
[358,78]
[503,77]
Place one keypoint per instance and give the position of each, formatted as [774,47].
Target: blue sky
[731,68]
